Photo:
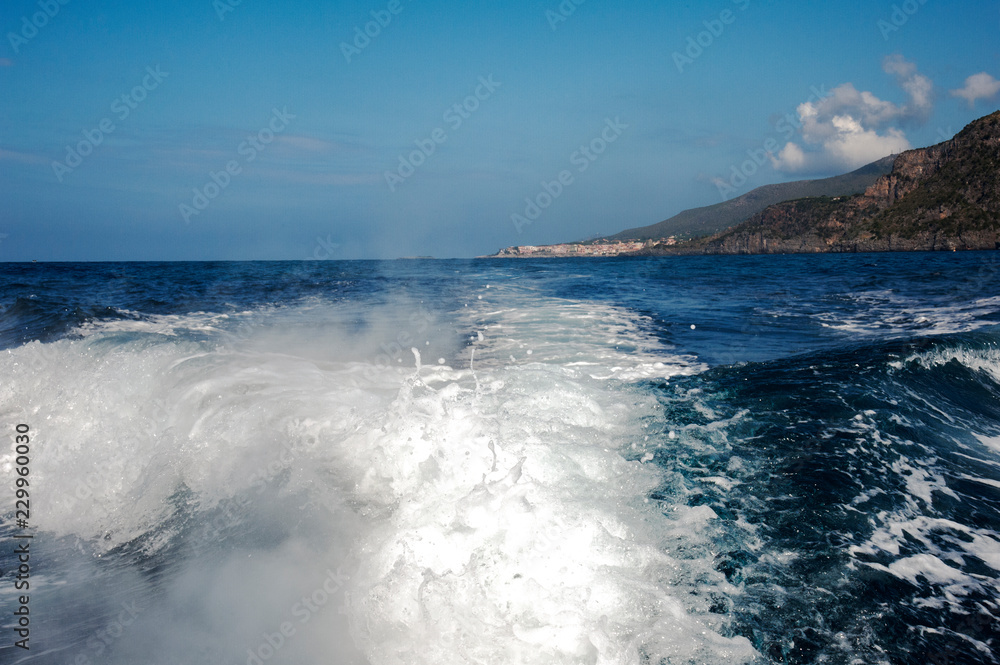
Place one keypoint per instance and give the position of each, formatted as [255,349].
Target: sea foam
[488,509]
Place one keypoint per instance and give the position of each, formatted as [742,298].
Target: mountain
[714,218]
[946,196]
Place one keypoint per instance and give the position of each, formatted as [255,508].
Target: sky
[253,130]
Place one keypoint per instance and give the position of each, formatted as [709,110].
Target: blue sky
[263,130]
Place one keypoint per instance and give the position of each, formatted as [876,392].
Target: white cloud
[792,157]
[978,86]
[918,86]
[856,146]
[850,128]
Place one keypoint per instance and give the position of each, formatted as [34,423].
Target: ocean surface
[680,460]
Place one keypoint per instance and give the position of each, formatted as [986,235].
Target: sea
[605,461]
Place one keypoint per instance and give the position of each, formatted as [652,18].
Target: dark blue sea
[680,460]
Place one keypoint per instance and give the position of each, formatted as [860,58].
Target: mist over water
[507,462]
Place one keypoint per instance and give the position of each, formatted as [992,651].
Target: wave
[481,472]
[474,484]
[872,488]
[886,313]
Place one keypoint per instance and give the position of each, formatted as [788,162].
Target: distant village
[580,249]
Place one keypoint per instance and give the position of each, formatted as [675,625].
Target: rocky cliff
[945,197]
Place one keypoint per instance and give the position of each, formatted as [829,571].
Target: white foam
[488,514]
[980,359]
[929,531]
[170,325]
[984,481]
[991,442]
[605,341]
[908,542]
[930,567]
[885,312]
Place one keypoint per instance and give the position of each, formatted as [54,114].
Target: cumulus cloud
[916,85]
[850,128]
[856,146]
[977,86]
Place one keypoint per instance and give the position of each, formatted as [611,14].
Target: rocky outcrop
[942,198]
[945,197]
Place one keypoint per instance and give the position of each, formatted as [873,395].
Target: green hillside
[720,216]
